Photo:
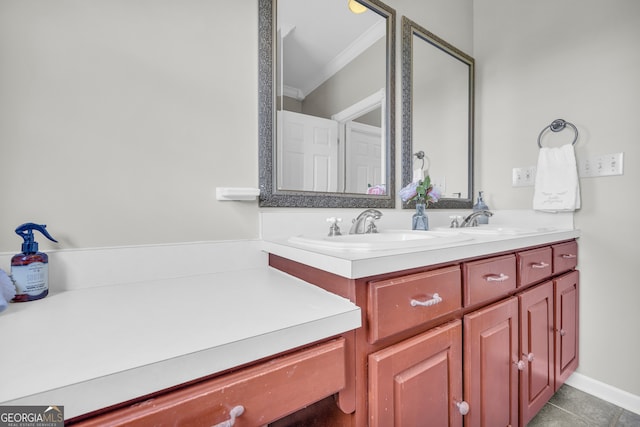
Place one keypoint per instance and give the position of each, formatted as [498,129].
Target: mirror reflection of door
[364,157]
[328,60]
[307,149]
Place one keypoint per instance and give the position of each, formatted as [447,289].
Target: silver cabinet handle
[436,299]
[235,412]
[463,407]
[540,264]
[568,256]
[497,277]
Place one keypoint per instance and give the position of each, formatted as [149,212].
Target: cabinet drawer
[534,265]
[565,257]
[267,391]
[488,278]
[395,305]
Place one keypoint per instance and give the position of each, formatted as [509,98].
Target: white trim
[362,43]
[361,107]
[293,92]
[611,394]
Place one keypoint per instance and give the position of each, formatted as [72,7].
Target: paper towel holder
[556,126]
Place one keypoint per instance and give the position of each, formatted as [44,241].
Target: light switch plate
[605,165]
[523,177]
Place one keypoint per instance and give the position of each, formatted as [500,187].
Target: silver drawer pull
[568,256]
[497,277]
[235,412]
[540,264]
[436,299]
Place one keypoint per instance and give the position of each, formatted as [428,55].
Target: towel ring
[420,156]
[556,126]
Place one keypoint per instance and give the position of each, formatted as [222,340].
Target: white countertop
[94,347]
[357,264]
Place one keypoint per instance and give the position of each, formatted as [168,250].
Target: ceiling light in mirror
[356,7]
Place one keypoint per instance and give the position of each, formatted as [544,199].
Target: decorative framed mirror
[437,116]
[326,103]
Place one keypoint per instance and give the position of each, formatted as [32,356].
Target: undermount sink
[385,239]
[493,230]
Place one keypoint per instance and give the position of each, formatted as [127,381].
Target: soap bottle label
[31,279]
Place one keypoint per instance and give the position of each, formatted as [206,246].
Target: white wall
[577,60]
[119,118]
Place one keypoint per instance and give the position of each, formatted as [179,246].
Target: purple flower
[7,289]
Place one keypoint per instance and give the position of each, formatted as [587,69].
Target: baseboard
[611,394]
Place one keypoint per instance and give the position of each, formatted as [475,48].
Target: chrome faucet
[472,219]
[364,223]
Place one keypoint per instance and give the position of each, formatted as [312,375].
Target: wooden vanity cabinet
[266,392]
[495,338]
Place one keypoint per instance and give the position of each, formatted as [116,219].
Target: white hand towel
[557,188]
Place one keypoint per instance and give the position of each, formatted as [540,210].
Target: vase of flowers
[420,219]
[424,194]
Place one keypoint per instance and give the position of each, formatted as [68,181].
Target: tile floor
[570,407]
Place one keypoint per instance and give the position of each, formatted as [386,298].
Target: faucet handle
[371,228]
[455,221]
[334,229]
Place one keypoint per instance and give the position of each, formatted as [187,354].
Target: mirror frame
[270,196]
[409,29]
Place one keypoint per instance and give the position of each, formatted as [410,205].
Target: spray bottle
[30,269]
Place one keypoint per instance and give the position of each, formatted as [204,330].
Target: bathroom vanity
[483,331]
[209,329]
[456,322]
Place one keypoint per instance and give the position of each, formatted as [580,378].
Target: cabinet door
[536,345]
[418,382]
[490,365]
[566,326]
